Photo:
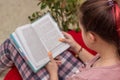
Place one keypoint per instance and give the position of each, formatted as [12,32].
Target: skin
[108,56]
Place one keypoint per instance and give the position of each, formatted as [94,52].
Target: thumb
[64,40]
[50,56]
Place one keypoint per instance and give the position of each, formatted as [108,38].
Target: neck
[108,55]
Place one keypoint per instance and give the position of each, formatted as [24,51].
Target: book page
[49,33]
[32,44]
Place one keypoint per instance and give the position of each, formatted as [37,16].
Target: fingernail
[61,39]
[49,53]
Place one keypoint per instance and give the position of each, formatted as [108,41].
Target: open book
[35,40]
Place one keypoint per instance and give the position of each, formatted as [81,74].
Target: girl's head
[102,17]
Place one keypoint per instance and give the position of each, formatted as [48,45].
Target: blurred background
[14,13]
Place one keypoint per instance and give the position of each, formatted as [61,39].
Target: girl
[100,27]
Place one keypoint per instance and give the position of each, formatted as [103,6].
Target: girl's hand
[52,66]
[75,47]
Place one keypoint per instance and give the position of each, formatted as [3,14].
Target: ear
[91,37]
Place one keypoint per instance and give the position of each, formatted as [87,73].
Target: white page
[32,45]
[49,34]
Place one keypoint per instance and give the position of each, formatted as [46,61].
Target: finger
[64,40]
[57,58]
[50,56]
[67,35]
[58,62]
[61,39]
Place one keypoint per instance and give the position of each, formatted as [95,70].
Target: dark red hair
[98,17]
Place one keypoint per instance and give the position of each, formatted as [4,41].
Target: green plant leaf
[33,15]
[63,11]
[43,6]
